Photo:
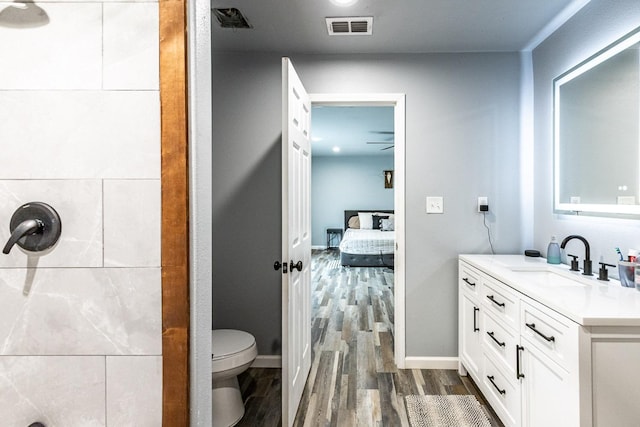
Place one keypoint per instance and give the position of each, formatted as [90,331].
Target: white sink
[550,276]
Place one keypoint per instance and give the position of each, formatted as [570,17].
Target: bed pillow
[377,219]
[387,225]
[385,214]
[366,220]
[354,222]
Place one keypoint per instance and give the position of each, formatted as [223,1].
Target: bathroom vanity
[548,346]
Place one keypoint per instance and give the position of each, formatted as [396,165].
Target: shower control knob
[34,227]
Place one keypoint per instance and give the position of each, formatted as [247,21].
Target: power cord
[484,220]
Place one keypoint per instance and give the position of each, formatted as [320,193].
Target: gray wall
[598,24]
[462,141]
[346,182]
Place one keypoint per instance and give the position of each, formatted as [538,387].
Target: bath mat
[445,411]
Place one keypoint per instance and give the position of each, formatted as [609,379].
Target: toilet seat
[231,348]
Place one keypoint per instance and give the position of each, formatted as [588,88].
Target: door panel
[296,240]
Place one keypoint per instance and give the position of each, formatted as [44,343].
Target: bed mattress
[362,242]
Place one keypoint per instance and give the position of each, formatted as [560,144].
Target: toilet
[233,352]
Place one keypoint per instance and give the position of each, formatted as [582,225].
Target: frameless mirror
[597,132]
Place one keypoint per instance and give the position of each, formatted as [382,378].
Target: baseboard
[431,363]
[319,247]
[267,362]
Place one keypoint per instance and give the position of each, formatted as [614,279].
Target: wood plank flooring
[353,379]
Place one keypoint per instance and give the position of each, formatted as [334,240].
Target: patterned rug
[445,411]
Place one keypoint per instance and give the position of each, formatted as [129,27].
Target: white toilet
[233,353]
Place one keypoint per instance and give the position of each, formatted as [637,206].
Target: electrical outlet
[435,205]
[483,204]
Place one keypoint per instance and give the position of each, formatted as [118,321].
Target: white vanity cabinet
[554,348]
[526,364]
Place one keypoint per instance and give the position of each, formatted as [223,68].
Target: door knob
[297,266]
[34,227]
[277,265]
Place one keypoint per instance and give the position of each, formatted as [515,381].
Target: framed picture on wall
[388,179]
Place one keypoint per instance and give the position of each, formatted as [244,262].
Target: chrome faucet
[587,270]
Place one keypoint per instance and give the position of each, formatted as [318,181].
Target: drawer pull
[493,300]
[501,344]
[519,374]
[532,326]
[475,321]
[491,378]
[469,282]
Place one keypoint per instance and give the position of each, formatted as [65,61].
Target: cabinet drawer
[499,343]
[554,335]
[501,301]
[469,278]
[502,394]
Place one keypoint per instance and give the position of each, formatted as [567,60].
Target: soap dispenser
[553,251]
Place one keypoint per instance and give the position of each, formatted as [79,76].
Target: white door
[296,241]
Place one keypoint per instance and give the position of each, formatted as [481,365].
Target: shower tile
[66,53]
[131,46]
[54,390]
[81,311]
[132,223]
[134,391]
[79,204]
[80,134]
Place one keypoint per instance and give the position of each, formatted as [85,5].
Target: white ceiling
[399,26]
[350,128]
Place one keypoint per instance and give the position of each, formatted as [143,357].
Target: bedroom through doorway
[353,166]
[358,157]
[355,142]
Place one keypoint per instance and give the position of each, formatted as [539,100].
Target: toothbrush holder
[626,270]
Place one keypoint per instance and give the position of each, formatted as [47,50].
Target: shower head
[23,14]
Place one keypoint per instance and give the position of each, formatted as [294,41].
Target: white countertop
[583,299]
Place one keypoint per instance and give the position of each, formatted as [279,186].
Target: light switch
[435,205]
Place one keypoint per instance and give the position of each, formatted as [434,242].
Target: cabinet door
[547,396]
[470,354]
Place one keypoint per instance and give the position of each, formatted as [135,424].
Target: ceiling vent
[231,18]
[351,26]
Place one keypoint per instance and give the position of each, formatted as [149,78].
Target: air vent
[351,26]
[231,18]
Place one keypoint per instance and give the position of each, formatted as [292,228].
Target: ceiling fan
[389,141]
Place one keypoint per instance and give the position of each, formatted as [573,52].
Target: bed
[368,247]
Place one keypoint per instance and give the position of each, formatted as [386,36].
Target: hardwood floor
[353,379]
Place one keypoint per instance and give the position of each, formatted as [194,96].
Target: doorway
[397,101]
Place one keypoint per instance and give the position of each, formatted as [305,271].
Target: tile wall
[80,325]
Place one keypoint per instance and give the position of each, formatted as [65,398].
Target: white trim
[431,363]
[320,247]
[397,100]
[267,362]
[200,207]
[558,21]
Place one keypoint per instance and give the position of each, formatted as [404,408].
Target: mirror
[597,132]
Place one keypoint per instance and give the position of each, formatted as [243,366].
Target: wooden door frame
[175,213]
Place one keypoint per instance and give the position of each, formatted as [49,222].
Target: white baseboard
[267,362]
[320,247]
[431,363]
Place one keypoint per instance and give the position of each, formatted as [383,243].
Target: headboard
[349,214]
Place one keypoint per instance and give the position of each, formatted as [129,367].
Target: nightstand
[334,236]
